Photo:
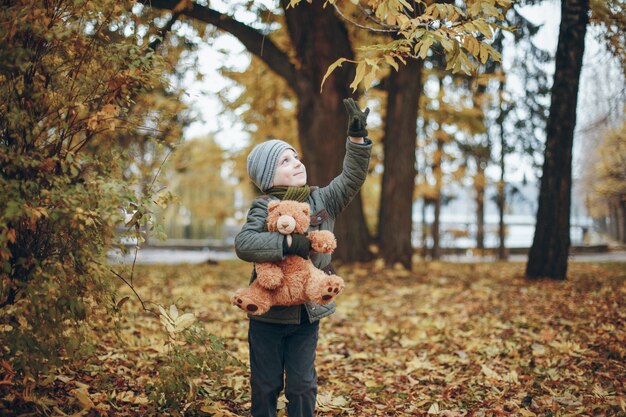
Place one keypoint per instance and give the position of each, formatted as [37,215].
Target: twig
[371,29]
[143,304]
[160,168]
[368,14]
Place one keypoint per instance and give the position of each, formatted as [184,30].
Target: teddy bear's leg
[293,289]
[322,288]
[254,299]
[269,275]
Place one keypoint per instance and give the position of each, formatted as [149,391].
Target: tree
[605,178]
[205,198]
[551,242]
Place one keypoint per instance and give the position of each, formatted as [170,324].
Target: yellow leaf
[173,312]
[185,321]
[330,69]
[405,4]
[164,314]
[360,73]
[370,77]
[391,62]
[483,54]
[425,47]
[339,401]
[490,373]
[82,396]
[484,28]
[11,235]
[434,409]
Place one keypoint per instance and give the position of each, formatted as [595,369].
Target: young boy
[283,340]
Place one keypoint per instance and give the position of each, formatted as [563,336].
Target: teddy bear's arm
[322,241]
[269,275]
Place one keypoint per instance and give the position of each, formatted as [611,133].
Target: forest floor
[447,339]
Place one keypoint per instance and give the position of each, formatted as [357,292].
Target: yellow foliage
[605,176]
[455,28]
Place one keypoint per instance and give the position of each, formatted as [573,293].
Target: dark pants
[283,352]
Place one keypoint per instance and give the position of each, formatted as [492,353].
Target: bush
[68,82]
[177,384]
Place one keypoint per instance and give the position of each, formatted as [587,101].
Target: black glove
[300,246]
[357,119]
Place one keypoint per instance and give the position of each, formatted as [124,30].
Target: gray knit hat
[262,162]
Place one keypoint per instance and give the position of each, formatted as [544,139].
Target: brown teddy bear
[293,280]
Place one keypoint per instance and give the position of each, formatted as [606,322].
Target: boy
[283,340]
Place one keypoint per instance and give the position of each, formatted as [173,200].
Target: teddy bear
[294,280]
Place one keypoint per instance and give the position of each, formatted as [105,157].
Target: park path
[150,256]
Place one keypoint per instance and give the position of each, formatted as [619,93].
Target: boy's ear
[272,205]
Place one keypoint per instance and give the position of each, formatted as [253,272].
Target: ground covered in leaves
[447,339]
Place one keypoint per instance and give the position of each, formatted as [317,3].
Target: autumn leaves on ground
[448,339]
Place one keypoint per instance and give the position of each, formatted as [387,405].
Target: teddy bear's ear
[272,205]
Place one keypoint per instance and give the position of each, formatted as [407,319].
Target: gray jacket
[255,244]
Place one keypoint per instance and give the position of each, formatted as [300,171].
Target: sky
[597,92]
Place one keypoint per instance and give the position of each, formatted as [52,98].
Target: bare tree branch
[164,31]
[254,41]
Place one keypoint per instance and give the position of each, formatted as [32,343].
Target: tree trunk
[622,222]
[320,38]
[395,219]
[613,220]
[502,255]
[424,230]
[549,251]
[480,210]
[435,252]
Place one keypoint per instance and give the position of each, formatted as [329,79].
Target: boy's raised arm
[342,189]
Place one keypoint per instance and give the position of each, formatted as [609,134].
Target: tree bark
[319,38]
[437,170]
[622,222]
[502,255]
[502,252]
[395,222]
[480,211]
[550,248]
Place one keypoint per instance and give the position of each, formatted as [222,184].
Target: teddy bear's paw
[331,288]
[323,241]
[248,305]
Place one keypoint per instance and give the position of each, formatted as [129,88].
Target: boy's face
[289,170]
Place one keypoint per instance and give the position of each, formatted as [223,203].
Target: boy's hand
[357,119]
[300,245]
